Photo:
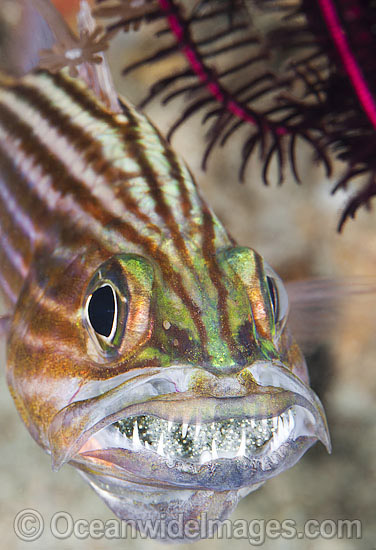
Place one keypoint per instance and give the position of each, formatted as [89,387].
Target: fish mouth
[170,435]
[200,443]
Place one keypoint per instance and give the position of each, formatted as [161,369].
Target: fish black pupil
[101,310]
[273,296]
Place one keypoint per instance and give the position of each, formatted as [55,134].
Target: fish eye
[102,311]
[105,315]
[273,293]
[278,298]
[115,307]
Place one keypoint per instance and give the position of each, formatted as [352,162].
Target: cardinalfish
[145,347]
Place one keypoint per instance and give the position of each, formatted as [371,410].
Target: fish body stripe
[94,176]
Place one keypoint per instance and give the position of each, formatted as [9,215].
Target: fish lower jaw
[201,443]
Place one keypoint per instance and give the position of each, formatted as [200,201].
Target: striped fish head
[140,386]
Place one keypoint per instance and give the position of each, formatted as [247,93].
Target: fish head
[158,381]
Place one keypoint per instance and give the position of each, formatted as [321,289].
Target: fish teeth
[277,437]
[280,427]
[241,450]
[286,430]
[283,426]
[273,442]
[204,442]
[184,429]
[214,450]
[135,436]
[291,420]
[282,431]
[160,445]
[205,457]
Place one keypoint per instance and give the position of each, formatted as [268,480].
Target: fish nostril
[228,387]
[218,386]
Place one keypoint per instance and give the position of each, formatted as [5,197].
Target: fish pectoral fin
[316,305]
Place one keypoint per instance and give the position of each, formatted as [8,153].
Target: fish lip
[73,426]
